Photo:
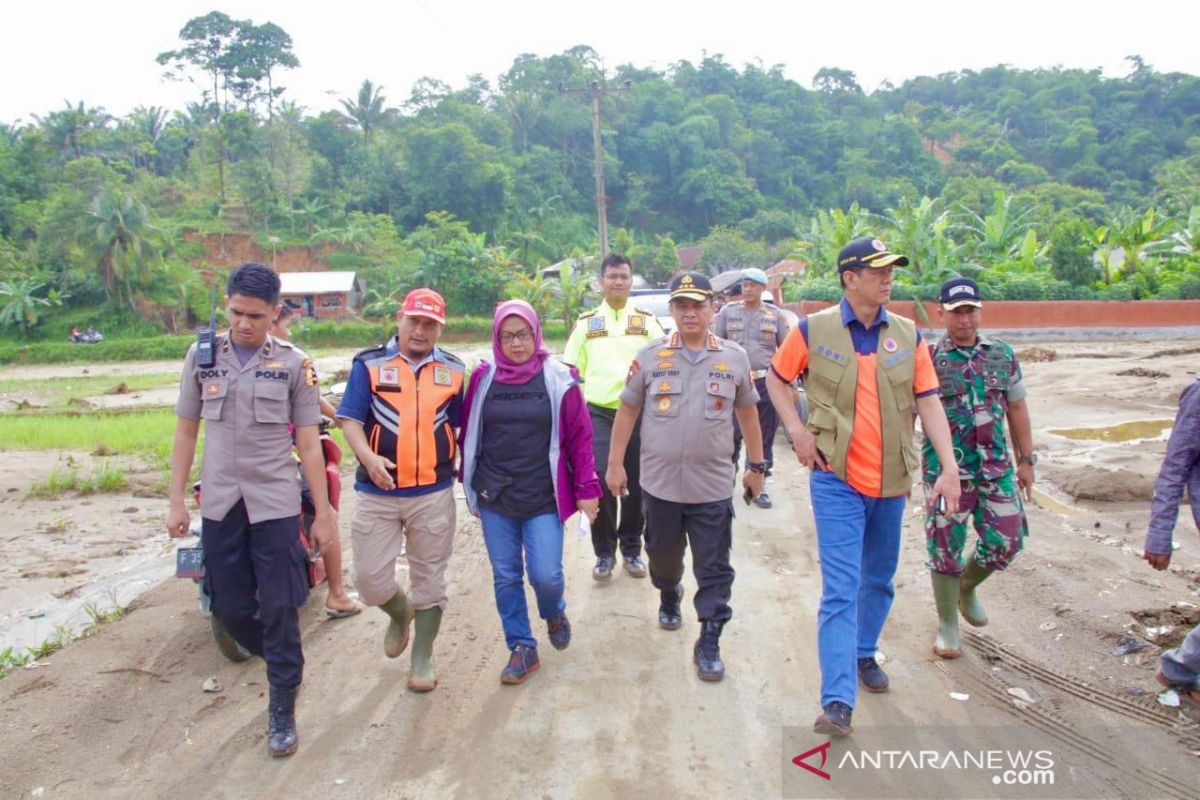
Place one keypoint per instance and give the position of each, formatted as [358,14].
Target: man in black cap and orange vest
[864,371]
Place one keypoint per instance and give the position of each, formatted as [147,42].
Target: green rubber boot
[421,677]
[396,638]
[968,602]
[946,593]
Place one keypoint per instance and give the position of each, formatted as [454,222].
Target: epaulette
[645,311]
[363,355]
[587,314]
[285,343]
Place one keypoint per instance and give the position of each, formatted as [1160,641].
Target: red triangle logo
[823,749]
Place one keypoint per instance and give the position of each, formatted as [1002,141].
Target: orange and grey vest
[413,415]
[831,384]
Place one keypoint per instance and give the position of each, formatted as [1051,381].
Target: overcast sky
[103,52]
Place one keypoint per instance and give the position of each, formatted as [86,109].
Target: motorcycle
[190,560]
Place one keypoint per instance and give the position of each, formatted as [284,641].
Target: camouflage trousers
[994,508]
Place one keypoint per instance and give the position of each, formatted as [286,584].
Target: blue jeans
[540,540]
[858,539]
[1182,665]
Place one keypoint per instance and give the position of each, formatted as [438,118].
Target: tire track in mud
[1043,718]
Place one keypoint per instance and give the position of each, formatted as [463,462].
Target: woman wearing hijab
[527,466]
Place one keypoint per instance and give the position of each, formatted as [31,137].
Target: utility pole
[597,89]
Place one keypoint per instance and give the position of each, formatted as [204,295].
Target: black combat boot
[707,652]
[670,611]
[281,715]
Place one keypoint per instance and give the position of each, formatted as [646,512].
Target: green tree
[75,130]
[1071,254]
[121,234]
[208,41]
[256,54]
[368,111]
[726,248]
[22,303]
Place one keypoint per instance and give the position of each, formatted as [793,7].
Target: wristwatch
[757,466]
[1030,459]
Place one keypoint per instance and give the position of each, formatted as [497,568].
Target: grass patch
[61,391]
[132,432]
[105,479]
[149,348]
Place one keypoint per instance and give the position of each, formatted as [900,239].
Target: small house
[323,295]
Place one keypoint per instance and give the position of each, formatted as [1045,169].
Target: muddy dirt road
[621,713]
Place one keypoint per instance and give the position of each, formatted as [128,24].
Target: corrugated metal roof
[316,282]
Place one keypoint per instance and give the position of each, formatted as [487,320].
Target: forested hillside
[1044,183]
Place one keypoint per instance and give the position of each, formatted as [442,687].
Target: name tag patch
[596,327]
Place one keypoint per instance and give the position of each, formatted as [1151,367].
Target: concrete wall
[1023,314]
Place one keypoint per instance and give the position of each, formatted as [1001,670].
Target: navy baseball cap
[867,251]
[691,285]
[960,292]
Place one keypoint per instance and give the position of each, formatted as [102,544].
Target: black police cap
[691,285]
[867,251]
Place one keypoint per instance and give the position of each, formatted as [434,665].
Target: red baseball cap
[425,303]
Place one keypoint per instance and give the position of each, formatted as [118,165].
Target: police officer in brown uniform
[759,328]
[255,564]
[689,387]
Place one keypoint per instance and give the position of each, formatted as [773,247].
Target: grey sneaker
[603,569]
[635,566]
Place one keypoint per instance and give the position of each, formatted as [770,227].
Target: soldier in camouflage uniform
[981,389]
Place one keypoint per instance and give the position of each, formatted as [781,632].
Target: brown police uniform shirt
[246,412]
[759,332]
[687,417]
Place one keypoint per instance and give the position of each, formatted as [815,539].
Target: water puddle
[1124,432]
[1052,504]
[71,616]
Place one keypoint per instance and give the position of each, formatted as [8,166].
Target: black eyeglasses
[523,335]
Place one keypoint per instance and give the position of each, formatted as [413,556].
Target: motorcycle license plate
[189,562]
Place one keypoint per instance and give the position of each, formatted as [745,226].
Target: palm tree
[122,230]
[368,111]
[73,129]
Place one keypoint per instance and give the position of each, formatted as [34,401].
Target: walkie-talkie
[206,339]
